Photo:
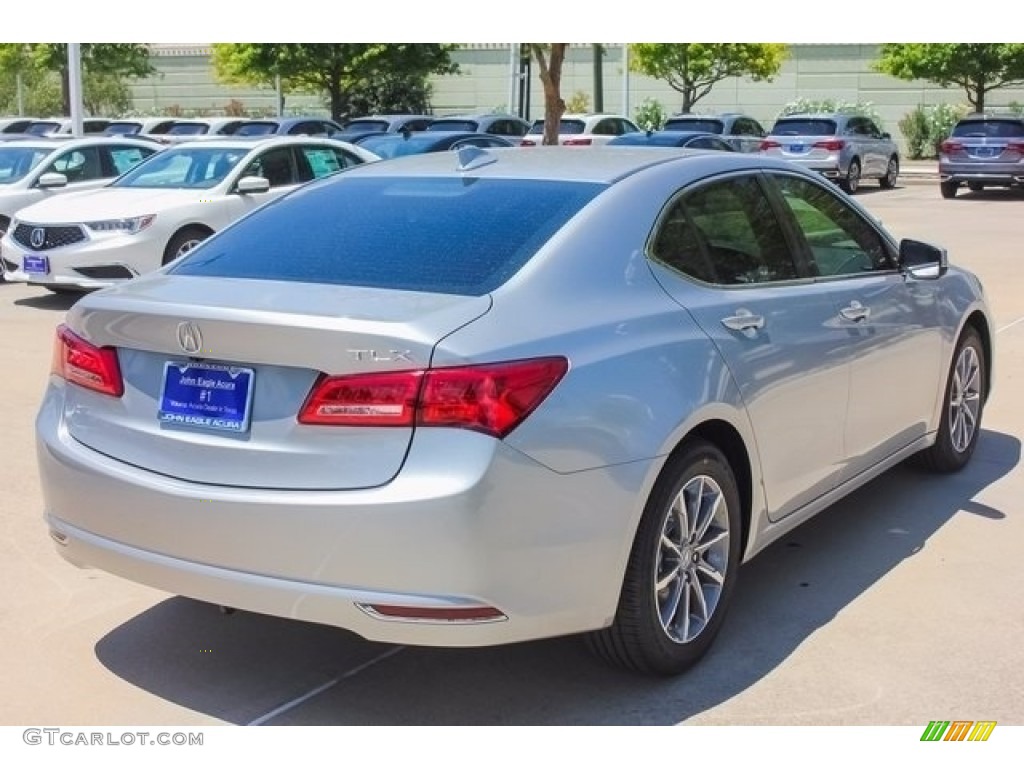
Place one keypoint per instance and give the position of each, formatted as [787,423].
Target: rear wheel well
[724,436]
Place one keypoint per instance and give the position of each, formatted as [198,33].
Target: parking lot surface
[899,605]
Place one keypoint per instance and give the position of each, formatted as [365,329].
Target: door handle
[855,312]
[743,320]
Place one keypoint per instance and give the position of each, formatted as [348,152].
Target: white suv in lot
[161,209]
[32,170]
[577,130]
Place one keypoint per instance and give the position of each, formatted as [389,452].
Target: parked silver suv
[741,132]
[844,148]
[982,150]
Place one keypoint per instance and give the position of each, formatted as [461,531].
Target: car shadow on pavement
[243,667]
[57,302]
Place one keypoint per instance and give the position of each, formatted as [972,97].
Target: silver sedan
[488,396]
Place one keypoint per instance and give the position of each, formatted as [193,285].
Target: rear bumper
[1008,173]
[547,550]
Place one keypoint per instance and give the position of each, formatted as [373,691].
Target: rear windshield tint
[188,129]
[453,125]
[993,129]
[702,124]
[256,129]
[436,234]
[365,125]
[804,128]
[564,126]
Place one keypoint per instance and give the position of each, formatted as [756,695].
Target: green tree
[549,58]
[693,69]
[102,63]
[978,68]
[344,72]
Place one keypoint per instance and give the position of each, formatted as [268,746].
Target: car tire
[184,240]
[851,181]
[962,406]
[892,173]
[948,189]
[975,186]
[689,535]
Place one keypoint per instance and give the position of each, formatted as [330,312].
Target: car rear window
[564,126]
[256,129]
[453,125]
[123,128]
[703,124]
[365,125]
[187,129]
[462,236]
[993,129]
[804,128]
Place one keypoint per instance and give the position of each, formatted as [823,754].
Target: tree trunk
[689,99]
[337,99]
[551,78]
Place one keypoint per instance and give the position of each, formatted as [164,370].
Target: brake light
[527,143]
[832,145]
[79,362]
[1015,146]
[768,144]
[951,146]
[577,142]
[492,398]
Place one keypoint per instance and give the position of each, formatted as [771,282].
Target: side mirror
[923,261]
[52,181]
[251,185]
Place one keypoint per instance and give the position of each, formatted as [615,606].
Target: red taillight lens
[493,398]
[577,142]
[766,144]
[79,362]
[951,146]
[832,145]
[527,143]
[1015,146]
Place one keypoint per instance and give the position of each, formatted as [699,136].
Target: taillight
[1015,146]
[768,144]
[79,362]
[527,143]
[492,398]
[951,146]
[832,145]
[577,142]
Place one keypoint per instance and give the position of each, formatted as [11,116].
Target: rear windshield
[703,124]
[365,125]
[804,128]
[187,129]
[564,126]
[462,236]
[453,125]
[40,128]
[993,129]
[123,129]
[256,129]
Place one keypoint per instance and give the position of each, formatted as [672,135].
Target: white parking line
[321,688]
[1015,322]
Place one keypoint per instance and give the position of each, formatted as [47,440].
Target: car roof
[557,163]
[67,142]
[819,116]
[257,142]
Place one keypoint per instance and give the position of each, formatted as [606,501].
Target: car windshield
[389,145]
[453,125]
[703,124]
[123,128]
[42,128]
[355,126]
[16,162]
[463,236]
[992,129]
[256,129]
[185,168]
[188,129]
[803,127]
[564,126]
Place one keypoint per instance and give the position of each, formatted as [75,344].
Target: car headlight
[128,226]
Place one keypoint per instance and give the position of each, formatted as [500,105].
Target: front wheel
[851,181]
[962,405]
[183,242]
[892,172]
[682,569]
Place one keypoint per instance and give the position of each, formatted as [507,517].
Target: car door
[278,166]
[891,324]
[730,264]
[83,167]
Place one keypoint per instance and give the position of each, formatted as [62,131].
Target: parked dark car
[14,124]
[981,151]
[495,124]
[288,126]
[685,139]
[742,132]
[389,145]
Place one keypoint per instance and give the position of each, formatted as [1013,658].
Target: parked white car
[162,209]
[32,170]
[578,130]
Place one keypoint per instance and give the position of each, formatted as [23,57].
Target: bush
[578,102]
[650,115]
[927,127]
[865,108]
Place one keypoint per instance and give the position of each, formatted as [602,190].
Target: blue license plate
[797,147]
[206,396]
[36,265]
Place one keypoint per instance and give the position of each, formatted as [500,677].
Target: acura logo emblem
[37,238]
[190,339]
